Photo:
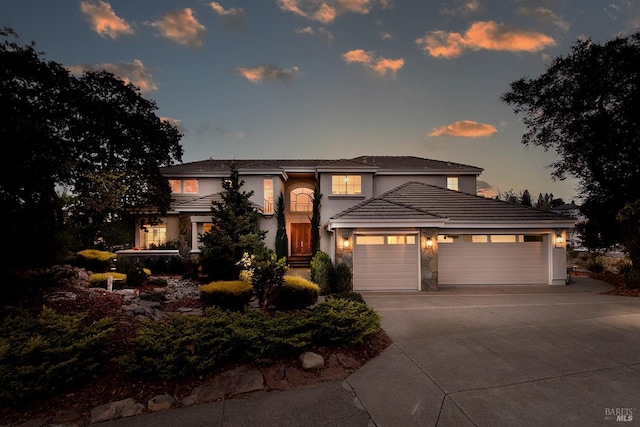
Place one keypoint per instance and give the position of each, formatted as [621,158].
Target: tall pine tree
[282,241]
[234,231]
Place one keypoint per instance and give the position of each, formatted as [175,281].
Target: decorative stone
[347,361]
[115,410]
[161,402]
[311,360]
[243,379]
[66,416]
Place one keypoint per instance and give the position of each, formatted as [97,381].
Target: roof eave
[384,223]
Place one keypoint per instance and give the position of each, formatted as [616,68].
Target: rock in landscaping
[66,416]
[115,410]
[311,360]
[161,402]
[243,379]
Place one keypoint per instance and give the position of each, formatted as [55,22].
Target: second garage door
[386,262]
[493,260]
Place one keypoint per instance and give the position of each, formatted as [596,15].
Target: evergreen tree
[526,198]
[315,220]
[282,242]
[234,231]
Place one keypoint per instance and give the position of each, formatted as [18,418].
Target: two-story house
[399,222]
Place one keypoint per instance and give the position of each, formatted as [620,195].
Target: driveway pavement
[505,356]
[465,356]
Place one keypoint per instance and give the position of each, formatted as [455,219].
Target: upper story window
[452,183]
[301,200]
[187,186]
[346,184]
[268,196]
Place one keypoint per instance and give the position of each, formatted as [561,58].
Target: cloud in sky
[487,35]
[175,122]
[483,188]
[379,65]
[233,16]
[386,36]
[267,72]
[134,72]
[461,8]
[326,11]
[104,20]
[321,34]
[181,27]
[545,15]
[466,129]
[627,11]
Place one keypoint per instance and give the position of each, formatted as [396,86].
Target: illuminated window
[506,238]
[475,238]
[191,186]
[301,200]
[401,240]
[268,196]
[370,240]
[533,238]
[346,184]
[206,227]
[452,183]
[176,185]
[447,239]
[155,235]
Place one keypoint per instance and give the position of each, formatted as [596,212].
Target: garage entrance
[386,262]
[493,260]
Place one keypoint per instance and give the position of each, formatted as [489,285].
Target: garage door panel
[385,266]
[492,263]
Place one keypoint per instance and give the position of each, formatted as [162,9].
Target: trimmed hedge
[296,293]
[227,294]
[99,280]
[95,260]
[340,321]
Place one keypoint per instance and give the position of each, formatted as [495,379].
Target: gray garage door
[493,260]
[388,262]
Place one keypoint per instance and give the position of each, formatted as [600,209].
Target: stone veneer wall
[429,260]
[342,254]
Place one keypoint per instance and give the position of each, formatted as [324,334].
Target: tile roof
[429,201]
[380,163]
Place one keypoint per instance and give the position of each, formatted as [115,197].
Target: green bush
[323,272]
[632,279]
[180,346]
[262,338]
[99,280]
[597,265]
[95,260]
[296,293]
[48,353]
[624,266]
[349,296]
[343,279]
[343,322]
[228,295]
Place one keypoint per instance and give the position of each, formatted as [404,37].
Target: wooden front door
[301,239]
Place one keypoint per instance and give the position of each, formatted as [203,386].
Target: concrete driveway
[505,356]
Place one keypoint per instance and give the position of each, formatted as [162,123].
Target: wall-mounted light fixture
[429,242]
[345,243]
[559,241]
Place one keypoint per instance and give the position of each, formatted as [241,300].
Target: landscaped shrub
[296,293]
[322,272]
[267,278]
[47,353]
[349,296]
[624,266]
[95,260]
[597,265]
[632,279]
[263,338]
[181,346]
[343,322]
[343,279]
[99,280]
[136,274]
[228,295]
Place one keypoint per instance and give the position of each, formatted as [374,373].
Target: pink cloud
[134,72]
[466,129]
[181,27]
[104,20]
[326,11]
[379,65]
[267,72]
[483,35]
[233,16]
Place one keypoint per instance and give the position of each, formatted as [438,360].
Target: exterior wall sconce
[559,242]
[429,242]
[345,243]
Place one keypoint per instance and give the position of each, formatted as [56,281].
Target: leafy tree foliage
[282,245]
[85,150]
[586,107]
[234,231]
[315,220]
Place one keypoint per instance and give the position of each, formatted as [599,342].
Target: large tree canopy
[78,150]
[586,107]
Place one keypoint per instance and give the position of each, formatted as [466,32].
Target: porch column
[429,259]
[344,251]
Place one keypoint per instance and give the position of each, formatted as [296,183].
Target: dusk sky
[332,78]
